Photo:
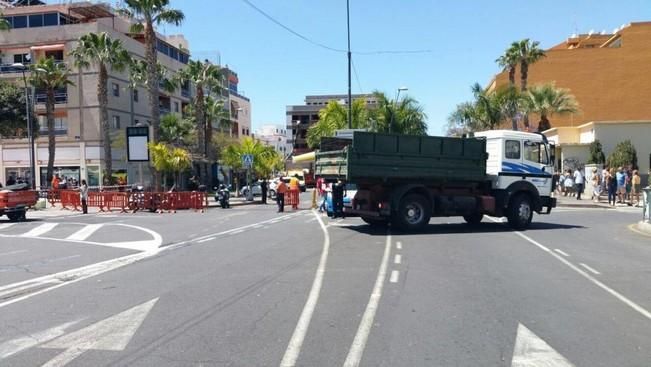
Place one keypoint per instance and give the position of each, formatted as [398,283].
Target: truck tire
[474,218]
[376,222]
[16,216]
[413,214]
[520,212]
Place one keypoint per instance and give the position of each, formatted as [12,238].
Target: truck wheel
[375,222]
[16,216]
[474,218]
[413,214]
[520,212]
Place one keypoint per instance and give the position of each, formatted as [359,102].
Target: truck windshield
[535,152]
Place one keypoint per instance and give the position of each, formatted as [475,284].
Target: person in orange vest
[281,189]
[294,190]
[55,182]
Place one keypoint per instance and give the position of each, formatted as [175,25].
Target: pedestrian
[55,182]
[294,187]
[281,189]
[338,193]
[569,183]
[596,185]
[263,188]
[83,195]
[578,182]
[620,176]
[321,187]
[11,181]
[611,181]
[637,187]
[561,183]
[629,186]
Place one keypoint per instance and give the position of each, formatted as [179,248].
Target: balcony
[186,93]
[60,97]
[10,69]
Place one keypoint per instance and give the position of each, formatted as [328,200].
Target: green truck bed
[387,157]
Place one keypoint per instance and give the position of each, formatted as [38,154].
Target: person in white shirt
[578,183]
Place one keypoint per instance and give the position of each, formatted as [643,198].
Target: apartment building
[276,136]
[301,117]
[239,105]
[608,73]
[41,30]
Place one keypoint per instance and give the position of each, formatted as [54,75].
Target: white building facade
[277,136]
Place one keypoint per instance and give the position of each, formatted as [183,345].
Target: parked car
[349,195]
[257,189]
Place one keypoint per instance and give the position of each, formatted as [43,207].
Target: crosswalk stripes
[84,232]
[40,230]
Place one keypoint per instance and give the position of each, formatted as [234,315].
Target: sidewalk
[571,202]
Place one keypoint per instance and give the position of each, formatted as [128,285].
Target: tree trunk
[152,86]
[524,74]
[199,117]
[102,97]
[514,123]
[512,75]
[51,138]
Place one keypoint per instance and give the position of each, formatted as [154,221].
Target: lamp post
[30,134]
[350,102]
[395,102]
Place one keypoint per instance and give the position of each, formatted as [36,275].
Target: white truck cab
[520,159]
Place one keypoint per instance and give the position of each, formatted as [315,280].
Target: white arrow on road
[531,351]
[113,333]
[11,347]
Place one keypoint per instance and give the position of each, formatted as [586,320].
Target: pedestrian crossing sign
[247,160]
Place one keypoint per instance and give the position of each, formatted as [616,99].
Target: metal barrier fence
[132,201]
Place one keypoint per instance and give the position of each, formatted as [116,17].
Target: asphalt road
[252,287]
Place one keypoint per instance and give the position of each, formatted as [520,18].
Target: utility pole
[350,100]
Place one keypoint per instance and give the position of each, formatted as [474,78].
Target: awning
[307,157]
[58,46]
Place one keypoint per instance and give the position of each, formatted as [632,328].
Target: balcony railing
[57,130]
[10,69]
[59,98]
[185,93]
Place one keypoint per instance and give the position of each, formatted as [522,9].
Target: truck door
[538,166]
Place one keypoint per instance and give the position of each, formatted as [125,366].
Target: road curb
[643,228]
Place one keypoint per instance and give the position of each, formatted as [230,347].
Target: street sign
[137,141]
[247,160]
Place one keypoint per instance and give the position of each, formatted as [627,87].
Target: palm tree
[101,50]
[147,14]
[217,114]
[528,53]
[547,100]
[175,130]
[488,110]
[333,117]
[265,157]
[206,77]
[400,117]
[510,102]
[49,75]
[508,62]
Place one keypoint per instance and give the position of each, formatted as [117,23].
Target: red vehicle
[14,204]
[310,181]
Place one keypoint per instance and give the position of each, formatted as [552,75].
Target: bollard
[314,199]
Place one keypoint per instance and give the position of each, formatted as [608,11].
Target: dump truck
[405,180]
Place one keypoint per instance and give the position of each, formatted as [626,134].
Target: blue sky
[277,68]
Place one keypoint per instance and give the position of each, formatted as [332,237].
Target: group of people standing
[282,189]
[337,190]
[570,183]
[623,186]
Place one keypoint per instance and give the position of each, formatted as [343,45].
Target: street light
[395,102]
[30,134]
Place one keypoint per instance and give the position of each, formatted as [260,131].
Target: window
[116,90]
[60,125]
[36,20]
[135,95]
[20,21]
[10,20]
[176,107]
[56,55]
[116,122]
[512,149]
[535,152]
[50,19]
[22,58]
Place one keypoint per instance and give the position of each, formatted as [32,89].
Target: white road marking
[11,347]
[399,245]
[395,275]
[397,259]
[310,220]
[84,232]
[562,252]
[237,232]
[589,277]
[113,334]
[6,225]
[354,356]
[42,229]
[296,342]
[12,252]
[593,271]
[258,226]
[206,239]
[531,350]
